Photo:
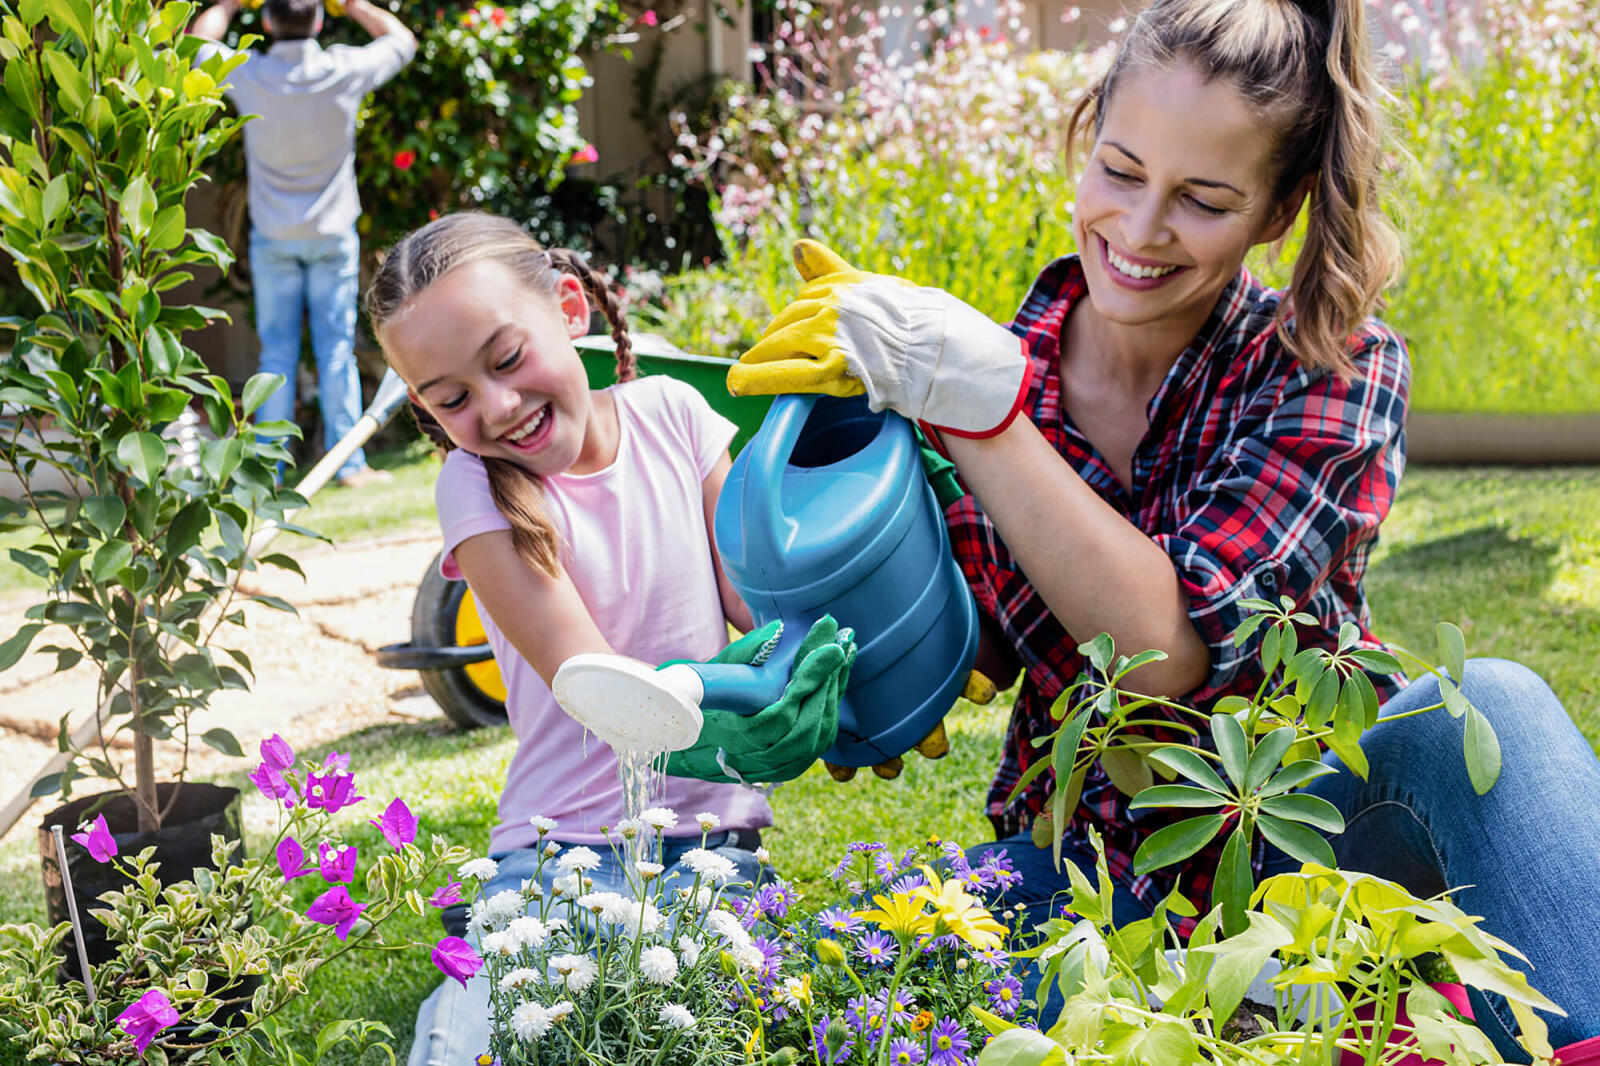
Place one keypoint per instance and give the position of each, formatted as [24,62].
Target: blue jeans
[319,276]
[453,1022]
[1526,856]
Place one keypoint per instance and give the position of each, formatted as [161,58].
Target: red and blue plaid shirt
[1258,477]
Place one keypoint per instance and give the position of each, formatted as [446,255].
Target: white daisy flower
[578,858]
[763,856]
[705,897]
[689,950]
[630,827]
[710,865]
[748,957]
[675,1016]
[542,824]
[566,885]
[501,943]
[659,817]
[658,964]
[600,902]
[727,927]
[708,821]
[498,909]
[521,977]
[560,1011]
[648,870]
[479,869]
[796,992]
[532,889]
[577,971]
[528,931]
[530,1021]
[550,848]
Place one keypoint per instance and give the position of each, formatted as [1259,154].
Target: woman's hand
[919,352]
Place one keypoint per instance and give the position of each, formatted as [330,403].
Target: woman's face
[1177,189]
[494,364]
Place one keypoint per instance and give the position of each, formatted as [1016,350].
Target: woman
[1193,440]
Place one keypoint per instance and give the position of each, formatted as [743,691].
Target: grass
[1512,555]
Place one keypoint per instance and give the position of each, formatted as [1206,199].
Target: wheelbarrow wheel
[444,614]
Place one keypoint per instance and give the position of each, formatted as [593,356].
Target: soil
[315,676]
[1244,1025]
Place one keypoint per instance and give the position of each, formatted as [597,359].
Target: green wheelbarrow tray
[448,647]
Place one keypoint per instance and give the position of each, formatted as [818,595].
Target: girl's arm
[1096,571]
[544,617]
[733,607]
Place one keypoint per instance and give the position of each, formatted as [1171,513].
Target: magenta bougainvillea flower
[331,791]
[335,907]
[399,825]
[455,958]
[273,784]
[98,839]
[587,154]
[149,1014]
[444,897]
[292,859]
[338,865]
[276,753]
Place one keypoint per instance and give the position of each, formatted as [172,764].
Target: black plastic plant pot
[183,844]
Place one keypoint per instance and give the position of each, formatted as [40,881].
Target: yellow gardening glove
[334,8]
[917,351]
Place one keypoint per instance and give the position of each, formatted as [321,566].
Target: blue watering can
[825,511]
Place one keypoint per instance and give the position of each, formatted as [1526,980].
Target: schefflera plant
[105,124]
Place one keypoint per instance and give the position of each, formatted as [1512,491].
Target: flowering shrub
[208,965]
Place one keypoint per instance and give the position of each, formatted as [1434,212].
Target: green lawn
[1513,556]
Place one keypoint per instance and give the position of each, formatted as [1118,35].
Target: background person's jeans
[1526,856]
[453,1022]
[321,277]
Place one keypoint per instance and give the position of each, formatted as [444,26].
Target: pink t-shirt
[635,543]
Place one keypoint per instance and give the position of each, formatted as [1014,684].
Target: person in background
[300,159]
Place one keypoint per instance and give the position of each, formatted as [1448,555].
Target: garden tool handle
[737,687]
[767,530]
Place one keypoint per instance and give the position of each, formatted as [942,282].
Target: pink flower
[101,844]
[292,859]
[587,154]
[276,753]
[399,825]
[274,785]
[649,18]
[331,792]
[148,1015]
[455,958]
[404,158]
[338,865]
[498,17]
[444,897]
[335,907]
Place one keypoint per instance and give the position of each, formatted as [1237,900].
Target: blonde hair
[1308,68]
[424,256]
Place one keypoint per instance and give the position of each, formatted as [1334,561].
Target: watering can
[825,511]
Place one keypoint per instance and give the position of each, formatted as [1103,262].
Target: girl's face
[1177,189]
[494,364]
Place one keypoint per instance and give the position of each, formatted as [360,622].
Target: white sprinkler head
[630,705]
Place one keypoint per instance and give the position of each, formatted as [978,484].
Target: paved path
[316,678]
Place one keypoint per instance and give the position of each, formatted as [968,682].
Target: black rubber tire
[433,625]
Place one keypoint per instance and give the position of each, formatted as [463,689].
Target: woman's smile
[1133,272]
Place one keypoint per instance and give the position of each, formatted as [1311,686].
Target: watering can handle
[767,530]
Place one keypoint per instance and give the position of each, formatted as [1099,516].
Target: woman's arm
[733,608]
[544,617]
[1096,571]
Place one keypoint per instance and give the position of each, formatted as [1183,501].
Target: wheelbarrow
[448,645]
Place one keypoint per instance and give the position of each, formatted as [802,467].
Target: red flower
[586,154]
[649,18]
[433,213]
[404,158]
[498,16]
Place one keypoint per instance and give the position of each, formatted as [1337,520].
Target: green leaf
[1304,807]
[257,389]
[1098,651]
[1349,633]
[106,513]
[1294,839]
[1167,1042]
[1234,883]
[1247,628]
[1368,697]
[55,198]
[109,559]
[1377,662]
[167,229]
[1454,701]
[1022,1047]
[1294,775]
[285,562]
[1452,648]
[187,526]
[1176,796]
[73,15]
[1174,843]
[222,741]
[75,91]
[1270,750]
[1482,749]
[17,646]
[1231,746]
[145,454]
[1126,768]
[1239,959]
[1324,698]
[138,207]
[1269,650]
[1188,762]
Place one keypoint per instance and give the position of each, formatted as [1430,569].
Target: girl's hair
[424,256]
[1308,69]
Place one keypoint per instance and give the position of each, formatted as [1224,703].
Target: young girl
[580,519]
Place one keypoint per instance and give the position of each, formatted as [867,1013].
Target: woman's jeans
[1526,856]
[319,276]
[453,1022]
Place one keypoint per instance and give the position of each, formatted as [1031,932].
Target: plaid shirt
[1259,478]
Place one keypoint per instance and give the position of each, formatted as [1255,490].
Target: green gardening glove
[778,742]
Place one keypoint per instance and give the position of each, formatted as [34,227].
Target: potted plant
[105,124]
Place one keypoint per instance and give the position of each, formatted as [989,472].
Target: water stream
[644,779]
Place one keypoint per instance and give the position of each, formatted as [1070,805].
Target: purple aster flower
[274,785]
[335,907]
[1005,995]
[338,865]
[147,1016]
[903,1051]
[101,844]
[399,825]
[876,948]
[864,846]
[450,893]
[908,883]
[866,1015]
[1000,870]
[949,1044]
[819,1043]
[276,753]
[771,959]
[976,879]
[954,857]
[993,957]
[775,899]
[838,920]
[331,792]
[747,909]
[883,865]
[455,958]
[948,942]
[292,859]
